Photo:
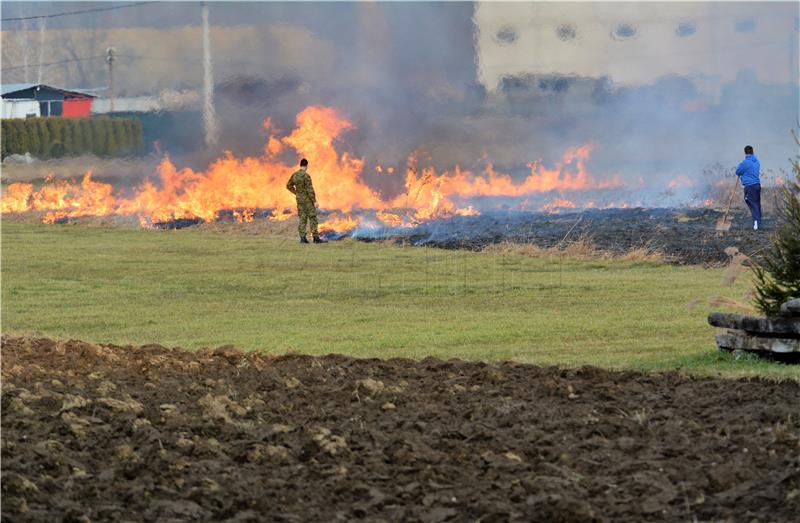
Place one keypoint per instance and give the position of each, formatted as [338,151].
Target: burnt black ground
[104,433]
[684,236]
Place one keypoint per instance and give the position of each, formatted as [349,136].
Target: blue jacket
[749,170]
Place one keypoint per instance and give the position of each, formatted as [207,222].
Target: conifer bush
[777,274]
[53,137]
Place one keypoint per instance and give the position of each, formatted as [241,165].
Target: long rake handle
[730,201]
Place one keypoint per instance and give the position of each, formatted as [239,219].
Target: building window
[685,29]
[506,36]
[51,108]
[566,32]
[624,32]
[746,26]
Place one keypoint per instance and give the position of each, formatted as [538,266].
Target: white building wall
[164,101]
[590,39]
[19,108]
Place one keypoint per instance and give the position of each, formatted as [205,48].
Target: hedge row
[56,137]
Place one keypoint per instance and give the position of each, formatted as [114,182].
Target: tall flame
[245,184]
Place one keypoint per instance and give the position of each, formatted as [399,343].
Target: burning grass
[203,287]
[251,183]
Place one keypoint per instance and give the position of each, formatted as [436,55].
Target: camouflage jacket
[300,184]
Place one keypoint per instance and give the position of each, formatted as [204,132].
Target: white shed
[19,108]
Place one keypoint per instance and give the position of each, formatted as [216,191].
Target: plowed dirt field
[105,433]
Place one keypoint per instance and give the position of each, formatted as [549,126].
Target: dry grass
[731,303]
[735,267]
[581,249]
[730,275]
[645,254]
[284,230]
[132,170]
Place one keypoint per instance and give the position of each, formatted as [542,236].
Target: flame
[559,203]
[336,225]
[390,218]
[243,185]
[276,216]
[468,211]
[244,216]
[16,198]
[680,181]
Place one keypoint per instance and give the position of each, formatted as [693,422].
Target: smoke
[449,82]
[209,115]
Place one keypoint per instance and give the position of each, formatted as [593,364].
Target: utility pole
[41,49]
[110,61]
[25,47]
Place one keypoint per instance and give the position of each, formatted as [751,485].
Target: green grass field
[200,288]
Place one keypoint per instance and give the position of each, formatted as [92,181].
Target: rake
[724,223]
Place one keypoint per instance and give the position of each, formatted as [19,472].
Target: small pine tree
[44,138]
[68,137]
[22,137]
[138,141]
[118,130]
[127,126]
[4,140]
[33,136]
[98,140]
[777,276]
[54,130]
[110,140]
[80,142]
[77,137]
[88,136]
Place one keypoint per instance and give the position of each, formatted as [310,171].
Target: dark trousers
[752,197]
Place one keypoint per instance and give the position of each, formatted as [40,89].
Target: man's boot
[317,239]
[303,239]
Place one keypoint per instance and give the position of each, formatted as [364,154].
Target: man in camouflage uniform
[300,185]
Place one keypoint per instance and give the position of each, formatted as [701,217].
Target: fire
[276,216]
[390,218]
[241,186]
[16,198]
[346,223]
[559,203]
[243,216]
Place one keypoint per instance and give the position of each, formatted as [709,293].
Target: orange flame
[559,203]
[243,185]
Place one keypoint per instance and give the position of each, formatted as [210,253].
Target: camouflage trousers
[307,214]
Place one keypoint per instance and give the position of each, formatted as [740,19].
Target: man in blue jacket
[748,173]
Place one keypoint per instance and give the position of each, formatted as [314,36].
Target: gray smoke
[209,114]
[407,75]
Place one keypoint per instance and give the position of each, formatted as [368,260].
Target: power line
[184,60]
[13,67]
[69,13]
[129,56]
